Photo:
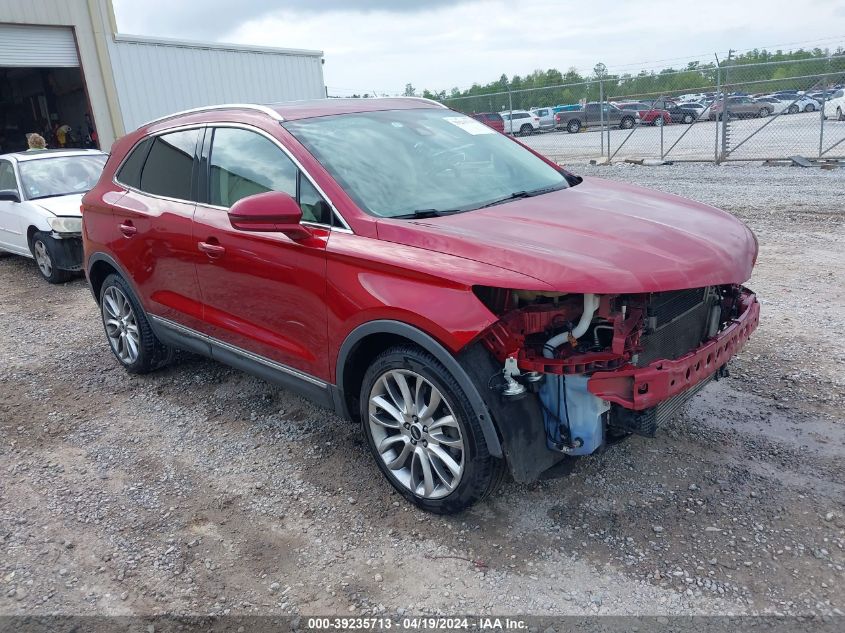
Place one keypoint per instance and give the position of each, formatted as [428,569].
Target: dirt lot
[202,490]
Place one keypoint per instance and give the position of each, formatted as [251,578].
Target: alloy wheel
[416,434]
[121,325]
[42,258]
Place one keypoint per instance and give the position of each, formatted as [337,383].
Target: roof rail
[426,99]
[223,106]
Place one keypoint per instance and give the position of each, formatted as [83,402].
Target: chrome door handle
[127,229]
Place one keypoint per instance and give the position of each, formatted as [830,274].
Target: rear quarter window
[129,173]
[169,165]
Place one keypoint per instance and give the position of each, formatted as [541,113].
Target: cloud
[212,18]
[378,45]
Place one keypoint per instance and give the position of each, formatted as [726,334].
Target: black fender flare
[433,347]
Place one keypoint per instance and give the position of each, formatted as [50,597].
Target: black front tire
[482,473]
[688,119]
[152,353]
[627,123]
[45,252]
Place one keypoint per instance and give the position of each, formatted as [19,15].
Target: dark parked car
[471,304]
[679,113]
[594,114]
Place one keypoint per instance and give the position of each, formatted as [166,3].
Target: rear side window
[167,171]
[130,173]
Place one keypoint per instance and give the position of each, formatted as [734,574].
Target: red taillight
[557,117]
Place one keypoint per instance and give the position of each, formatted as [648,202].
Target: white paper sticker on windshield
[469,125]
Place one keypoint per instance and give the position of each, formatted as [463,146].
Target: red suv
[493,119]
[472,305]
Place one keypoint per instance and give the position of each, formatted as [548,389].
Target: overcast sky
[380,45]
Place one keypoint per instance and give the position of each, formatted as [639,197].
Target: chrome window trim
[201,126]
[223,106]
[294,160]
[240,351]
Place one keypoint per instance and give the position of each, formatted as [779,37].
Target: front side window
[397,162]
[60,176]
[244,163]
[169,165]
[314,208]
[7,176]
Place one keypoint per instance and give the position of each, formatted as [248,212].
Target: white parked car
[834,107]
[40,194]
[520,122]
[798,103]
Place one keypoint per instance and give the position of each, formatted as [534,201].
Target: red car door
[262,292]
[152,225]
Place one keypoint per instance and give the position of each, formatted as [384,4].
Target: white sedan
[799,103]
[834,107]
[40,194]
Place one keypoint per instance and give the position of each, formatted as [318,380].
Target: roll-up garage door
[37,46]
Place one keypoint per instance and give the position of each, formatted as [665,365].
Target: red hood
[600,236]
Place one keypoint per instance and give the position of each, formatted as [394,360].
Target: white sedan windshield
[60,176]
[398,162]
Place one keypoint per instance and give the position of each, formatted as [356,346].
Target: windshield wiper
[426,213]
[516,195]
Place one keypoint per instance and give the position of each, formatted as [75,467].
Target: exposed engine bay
[613,363]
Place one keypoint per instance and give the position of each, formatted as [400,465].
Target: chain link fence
[716,112]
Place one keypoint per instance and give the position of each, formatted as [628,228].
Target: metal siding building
[72,49]
[154,77]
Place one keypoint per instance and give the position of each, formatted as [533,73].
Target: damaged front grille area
[676,322]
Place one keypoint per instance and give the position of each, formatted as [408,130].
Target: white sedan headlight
[65,225]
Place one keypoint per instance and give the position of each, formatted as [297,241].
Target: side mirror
[271,211]
[9,195]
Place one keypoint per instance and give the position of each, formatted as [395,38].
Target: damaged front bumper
[67,251]
[640,388]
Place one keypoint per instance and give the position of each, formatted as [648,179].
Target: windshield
[398,162]
[60,176]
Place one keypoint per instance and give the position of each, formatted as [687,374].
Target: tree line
[755,71]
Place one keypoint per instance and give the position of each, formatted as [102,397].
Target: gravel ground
[202,490]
